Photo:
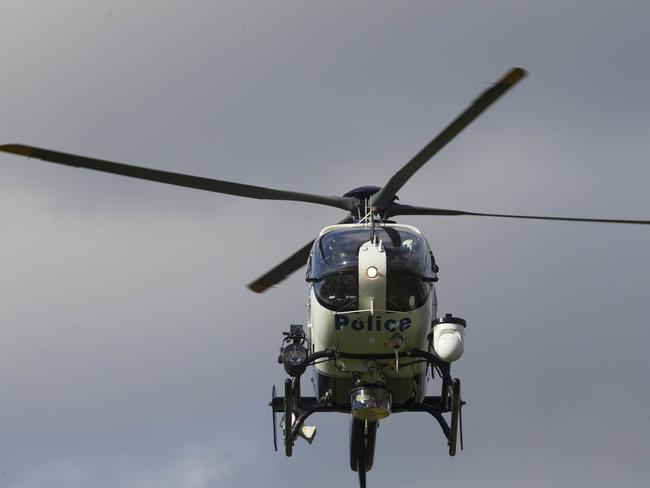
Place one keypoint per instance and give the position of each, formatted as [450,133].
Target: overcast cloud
[132,355]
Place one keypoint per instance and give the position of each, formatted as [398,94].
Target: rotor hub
[363,192]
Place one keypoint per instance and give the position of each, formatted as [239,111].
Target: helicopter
[373,337]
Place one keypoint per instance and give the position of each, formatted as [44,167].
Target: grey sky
[132,355]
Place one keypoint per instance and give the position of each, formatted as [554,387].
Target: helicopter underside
[333,395]
[402,390]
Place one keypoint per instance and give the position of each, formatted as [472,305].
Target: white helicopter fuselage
[383,317]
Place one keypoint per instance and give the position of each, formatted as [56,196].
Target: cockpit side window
[339,292]
[408,268]
[412,254]
[337,250]
[405,291]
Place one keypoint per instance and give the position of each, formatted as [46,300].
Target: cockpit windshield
[334,267]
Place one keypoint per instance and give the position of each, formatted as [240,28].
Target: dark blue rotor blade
[280,272]
[382,198]
[399,209]
[177,179]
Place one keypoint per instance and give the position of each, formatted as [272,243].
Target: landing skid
[297,408]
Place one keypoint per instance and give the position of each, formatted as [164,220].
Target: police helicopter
[373,337]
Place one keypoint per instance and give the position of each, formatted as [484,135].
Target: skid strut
[288,417]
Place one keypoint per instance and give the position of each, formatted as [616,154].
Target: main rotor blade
[382,198]
[397,209]
[286,267]
[177,179]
